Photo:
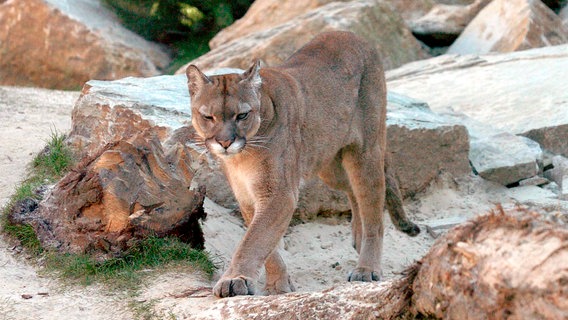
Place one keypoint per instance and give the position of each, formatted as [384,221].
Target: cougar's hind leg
[363,162]
[368,185]
[394,204]
[334,175]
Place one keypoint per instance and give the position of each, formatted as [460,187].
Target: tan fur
[321,113]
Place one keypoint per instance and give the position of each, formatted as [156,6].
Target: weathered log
[497,266]
[362,300]
[502,265]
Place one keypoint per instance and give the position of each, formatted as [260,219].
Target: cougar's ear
[195,79]
[252,75]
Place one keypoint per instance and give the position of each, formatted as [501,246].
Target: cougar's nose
[225,143]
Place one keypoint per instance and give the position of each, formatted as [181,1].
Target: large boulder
[62,44]
[423,144]
[511,25]
[110,111]
[518,92]
[256,18]
[283,11]
[373,20]
[411,10]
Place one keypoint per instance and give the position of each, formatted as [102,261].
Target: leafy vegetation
[186,26]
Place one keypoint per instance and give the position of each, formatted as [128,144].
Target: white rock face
[521,93]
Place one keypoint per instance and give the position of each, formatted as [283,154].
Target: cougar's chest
[243,176]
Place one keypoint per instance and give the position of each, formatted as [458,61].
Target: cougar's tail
[394,203]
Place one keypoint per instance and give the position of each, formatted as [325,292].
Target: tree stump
[128,190]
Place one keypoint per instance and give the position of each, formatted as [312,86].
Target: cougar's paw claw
[279,287]
[230,287]
[364,274]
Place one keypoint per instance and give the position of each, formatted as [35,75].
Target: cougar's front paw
[230,287]
[282,285]
[364,274]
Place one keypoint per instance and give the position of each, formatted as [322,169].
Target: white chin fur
[236,147]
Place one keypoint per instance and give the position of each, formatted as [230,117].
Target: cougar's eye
[207,117]
[242,116]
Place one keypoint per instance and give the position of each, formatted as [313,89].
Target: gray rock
[422,143]
[534,181]
[497,155]
[518,92]
[526,194]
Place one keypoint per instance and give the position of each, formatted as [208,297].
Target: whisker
[253,145]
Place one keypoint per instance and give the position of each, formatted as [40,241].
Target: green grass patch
[54,160]
[125,272]
[48,166]
[26,235]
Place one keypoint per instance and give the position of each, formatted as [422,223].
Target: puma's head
[225,109]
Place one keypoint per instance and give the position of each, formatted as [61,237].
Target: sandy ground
[318,253]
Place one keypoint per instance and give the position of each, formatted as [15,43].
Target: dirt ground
[318,253]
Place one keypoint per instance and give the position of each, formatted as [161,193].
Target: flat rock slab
[520,92]
[531,193]
[422,143]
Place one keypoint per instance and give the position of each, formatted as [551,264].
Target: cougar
[322,112]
